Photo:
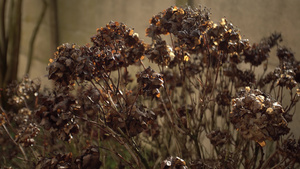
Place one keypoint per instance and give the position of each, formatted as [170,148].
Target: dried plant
[203,105]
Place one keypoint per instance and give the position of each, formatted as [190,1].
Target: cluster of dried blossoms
[88,159]
[218,137]
[20,97]
[173,163]
[195,33]
[114,46]
[150,81]
[57,113]
[201,91]
[257,117]
[287,74]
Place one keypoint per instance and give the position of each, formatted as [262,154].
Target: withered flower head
[133,120]
[218,138]
[291,149]
[257,53]
[283,76]
[116,46]
[186,24]
[257,116]
[27,134]
[287,79]
[62,67]
[173,163]
[58,113]
[165,22]
[285,55]
[149,82]
[223,98]
[25,91]
[58,161]
[89,158]
[160,53]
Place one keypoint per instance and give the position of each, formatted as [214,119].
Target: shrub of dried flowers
[197,108]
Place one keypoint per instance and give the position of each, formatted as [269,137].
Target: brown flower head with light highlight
[150,82]
[257,117]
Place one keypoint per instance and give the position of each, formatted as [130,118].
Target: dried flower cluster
[258,117]
[133,120]
[58,161]
[24,92]
[27,134]
[89,158]
[150,81]
[291,149]
[287,73]
[114,46]
[218,137]
[57,114]
[173,163]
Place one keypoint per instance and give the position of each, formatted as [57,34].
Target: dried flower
[57,113]
[25,91]
[160,53]
[150,81]
[27,134]
[291,149]
[58,161]
[173,163]
[62,67]
[223,98]
[257,116]
[89,158]
[258,53]
[218,138]
[116,46]
[287,79]
[133,120]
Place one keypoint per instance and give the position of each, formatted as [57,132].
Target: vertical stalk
[33,37]
[14,41]
[195,139]
[3,44]
[3,48]
[255,156]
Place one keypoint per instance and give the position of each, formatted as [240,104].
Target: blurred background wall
[75,21]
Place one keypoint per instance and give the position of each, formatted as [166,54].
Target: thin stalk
[136,150]
[33,37]
[195,139]
[261,161]
[3,43]
[19,145]
[275,166]
[119,155]
[254,159]
[14,40]
[132,149]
